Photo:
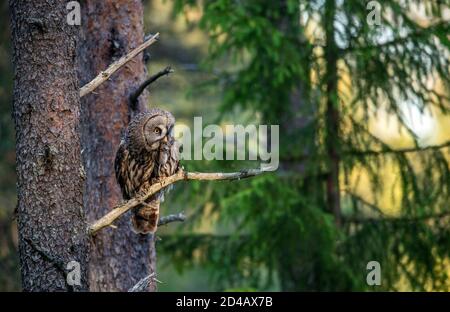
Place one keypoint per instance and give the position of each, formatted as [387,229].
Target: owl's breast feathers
[138,172]
[133,172]
[168,159]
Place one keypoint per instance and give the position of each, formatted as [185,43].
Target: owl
[147,153]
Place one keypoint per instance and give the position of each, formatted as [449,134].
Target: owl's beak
[164,139]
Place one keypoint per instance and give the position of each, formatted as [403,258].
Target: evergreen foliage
[321,71]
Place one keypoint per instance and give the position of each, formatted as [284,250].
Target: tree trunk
[119,257]
[291,261]
[51,221]
[332,113]
[293,119]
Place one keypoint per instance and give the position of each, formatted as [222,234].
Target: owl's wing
[120,168]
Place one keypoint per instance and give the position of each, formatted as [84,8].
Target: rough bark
[110,29]
[51,222]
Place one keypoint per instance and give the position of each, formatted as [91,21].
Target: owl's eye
[157,131]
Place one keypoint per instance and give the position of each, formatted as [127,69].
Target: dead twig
[143,284]
[149,81]
[179,217]
[109,218]
[104,75]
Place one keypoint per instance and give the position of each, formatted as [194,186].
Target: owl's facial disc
[155,130]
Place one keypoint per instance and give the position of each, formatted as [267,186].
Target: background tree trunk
[293,120]
[51,222]
[332,113]
[119,257]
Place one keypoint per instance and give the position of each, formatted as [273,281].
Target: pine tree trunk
[51,221]
[119,257]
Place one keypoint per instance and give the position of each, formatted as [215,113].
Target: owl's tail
[145,217]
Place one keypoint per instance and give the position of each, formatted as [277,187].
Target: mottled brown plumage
[147,153]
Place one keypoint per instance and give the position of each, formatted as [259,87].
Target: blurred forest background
[364,127]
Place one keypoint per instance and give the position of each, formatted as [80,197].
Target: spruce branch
[397,151]
[403,219]
[382,217]
[417,34]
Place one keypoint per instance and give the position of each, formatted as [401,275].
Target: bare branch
[179,217]
[180,175]
[149,81]
[143,284]
[104,75]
